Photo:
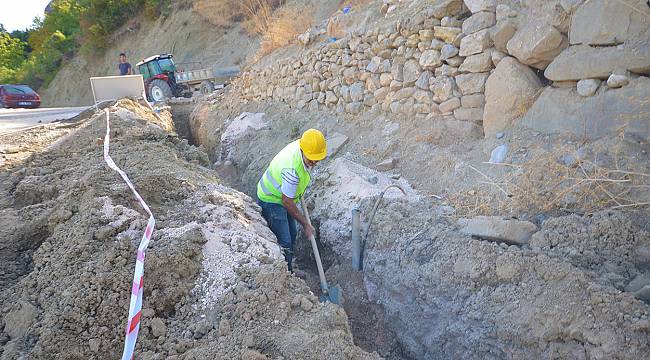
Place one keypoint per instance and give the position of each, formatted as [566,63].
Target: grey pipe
[362,241]
[356,239]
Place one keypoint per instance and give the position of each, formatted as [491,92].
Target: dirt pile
[449,295]
[214,287]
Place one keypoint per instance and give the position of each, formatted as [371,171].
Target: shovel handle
[321,274]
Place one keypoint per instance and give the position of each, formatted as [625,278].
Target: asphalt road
[19,119]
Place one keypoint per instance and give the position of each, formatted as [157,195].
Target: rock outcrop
[564,111]
[583,62]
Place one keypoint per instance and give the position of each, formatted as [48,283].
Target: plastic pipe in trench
[359,244]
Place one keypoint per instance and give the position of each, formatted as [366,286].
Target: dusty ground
[446,295]
[579,289]
[70,229]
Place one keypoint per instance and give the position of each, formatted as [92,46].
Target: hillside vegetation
[34,56]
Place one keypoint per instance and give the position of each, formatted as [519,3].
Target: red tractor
[163,80]
[159,79]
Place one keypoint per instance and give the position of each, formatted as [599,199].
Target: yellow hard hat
[313,145]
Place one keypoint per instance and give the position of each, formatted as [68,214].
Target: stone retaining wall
[434,68]
[434,58]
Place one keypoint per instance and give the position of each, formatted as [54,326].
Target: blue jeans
[283,226]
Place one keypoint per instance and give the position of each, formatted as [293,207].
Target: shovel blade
[334,296]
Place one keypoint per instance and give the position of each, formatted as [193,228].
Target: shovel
[331,294]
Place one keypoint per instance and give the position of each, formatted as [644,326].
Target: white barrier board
[108,88]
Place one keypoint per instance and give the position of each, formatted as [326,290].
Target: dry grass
[334,29]
[275,21]
[254,13]
[545,184]
[284,26]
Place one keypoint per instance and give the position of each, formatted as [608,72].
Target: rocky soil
[425,274]
[457,102]
[518,130]
[215,287]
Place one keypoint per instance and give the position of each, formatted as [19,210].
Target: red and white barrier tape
[135,307]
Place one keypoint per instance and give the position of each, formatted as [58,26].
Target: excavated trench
[430,291]
[367,319]
[181,117]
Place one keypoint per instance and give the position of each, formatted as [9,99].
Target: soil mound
[214,287]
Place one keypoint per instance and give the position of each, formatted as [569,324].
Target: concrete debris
[499,154]
[347,186]
[386,165]
[512,232]
[335,141]
[238,128]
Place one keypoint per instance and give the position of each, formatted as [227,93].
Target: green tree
[12,51]
[64,18]
[43,65]
[12,56]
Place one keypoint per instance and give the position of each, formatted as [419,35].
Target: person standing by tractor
[283,184]
[124,66]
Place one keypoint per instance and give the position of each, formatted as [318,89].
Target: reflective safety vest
[269,187]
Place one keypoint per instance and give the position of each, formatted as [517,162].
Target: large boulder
[563,110]
[609,22]
[509,91]
[585,62]
[537,44]
[348,184]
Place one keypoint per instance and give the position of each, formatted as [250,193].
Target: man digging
[283,184]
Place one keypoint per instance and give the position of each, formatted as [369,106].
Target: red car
[18,96]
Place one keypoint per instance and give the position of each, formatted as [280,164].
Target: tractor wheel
[159,90]
[207,87]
